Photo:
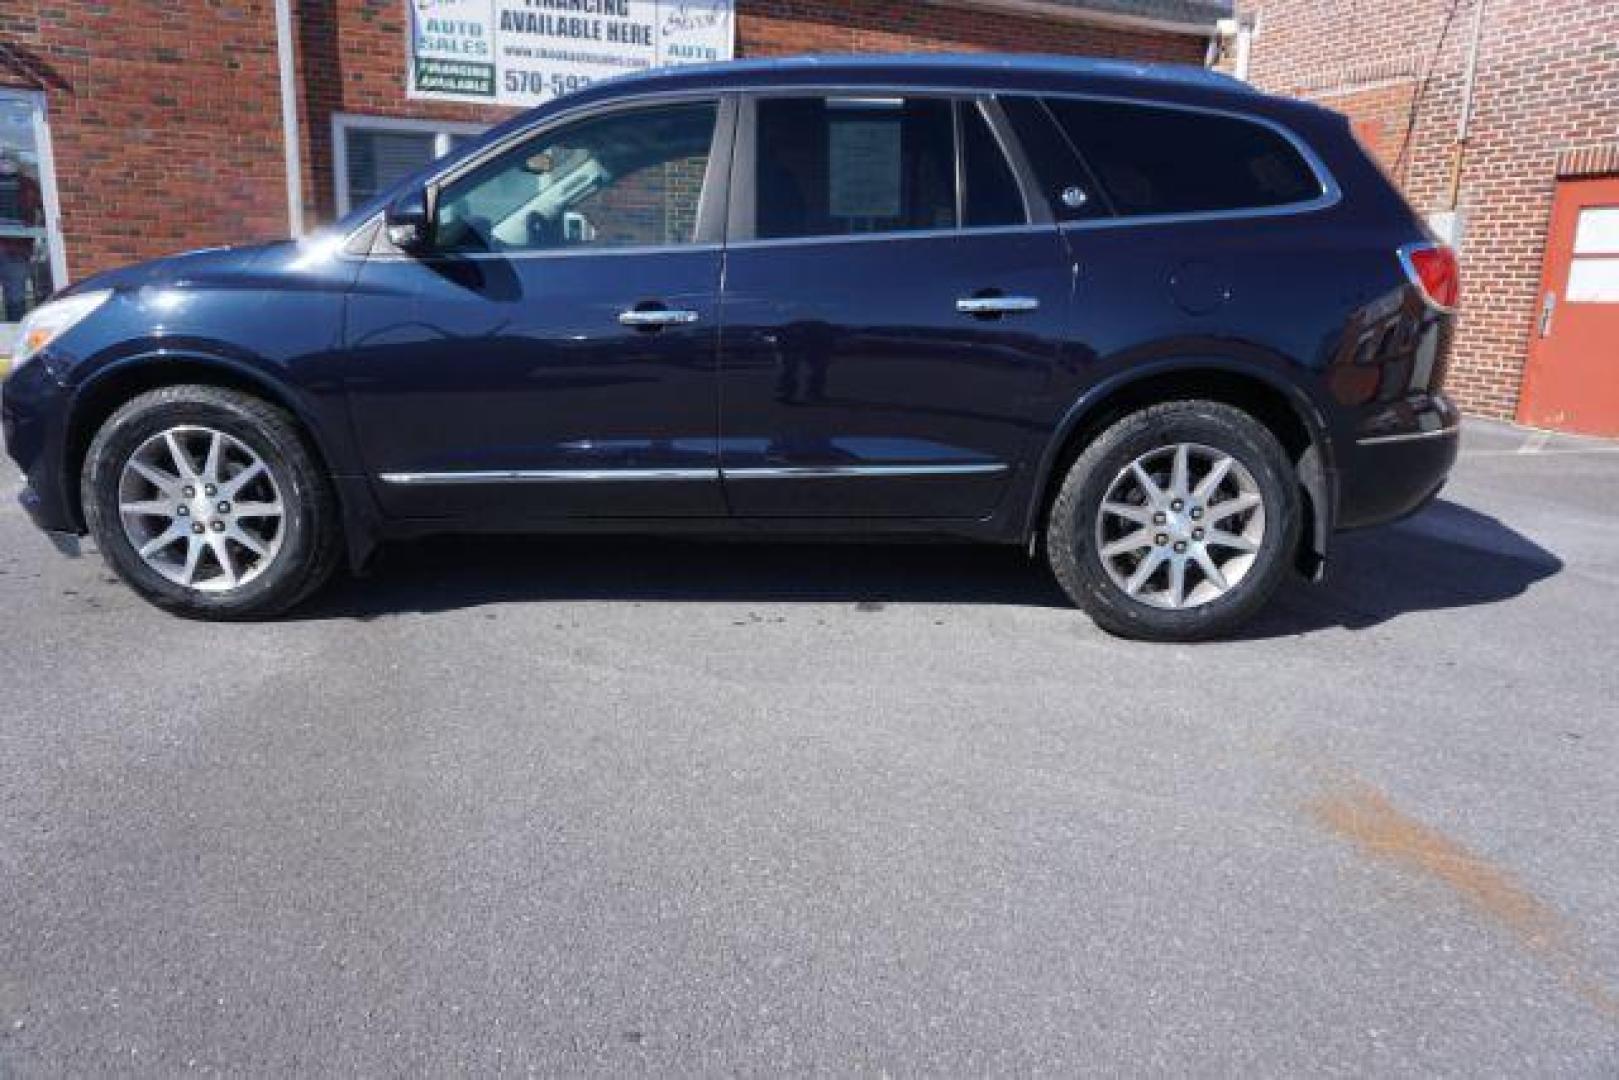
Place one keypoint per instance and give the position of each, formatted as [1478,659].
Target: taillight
[1432,268]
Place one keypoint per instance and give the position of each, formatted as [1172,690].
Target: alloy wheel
[201,508]
[1180,526]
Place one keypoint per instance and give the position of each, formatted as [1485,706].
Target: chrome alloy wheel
[1180,526]
[201,508]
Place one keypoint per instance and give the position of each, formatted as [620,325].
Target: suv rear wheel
[1177,523]
[208,502]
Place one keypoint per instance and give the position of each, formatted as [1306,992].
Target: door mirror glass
[407,222]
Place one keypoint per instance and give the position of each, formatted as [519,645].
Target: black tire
[310,540]
[1071,532]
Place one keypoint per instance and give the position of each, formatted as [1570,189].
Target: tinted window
[629,179]
[1056,167]
[1173,161]
[991,195]
[843,166]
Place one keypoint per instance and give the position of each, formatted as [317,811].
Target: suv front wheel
[210,503]
[1177,523]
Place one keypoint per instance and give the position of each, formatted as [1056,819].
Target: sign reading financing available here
[524,52]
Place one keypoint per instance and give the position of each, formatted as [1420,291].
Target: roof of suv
[989,71]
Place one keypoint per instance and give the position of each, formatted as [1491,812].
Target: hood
[200,267]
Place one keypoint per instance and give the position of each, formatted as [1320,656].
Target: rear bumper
[1389,475]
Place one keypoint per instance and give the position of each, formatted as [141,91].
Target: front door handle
[997,305]
[656,318]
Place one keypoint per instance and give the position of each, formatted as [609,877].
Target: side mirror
[409,226]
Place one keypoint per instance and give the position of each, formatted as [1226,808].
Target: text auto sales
[572,19]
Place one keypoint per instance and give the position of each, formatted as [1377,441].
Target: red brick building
[1490,113]
[151,126]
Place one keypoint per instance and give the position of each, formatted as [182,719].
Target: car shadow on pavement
[1446,557]
[444,573]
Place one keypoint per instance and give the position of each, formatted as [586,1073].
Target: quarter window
[1153,160]
[829,167]
[629,179]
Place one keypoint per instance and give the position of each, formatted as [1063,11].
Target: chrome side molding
[546,476]
[609,476]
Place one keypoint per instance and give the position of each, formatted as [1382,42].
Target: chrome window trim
[552,253]
[1290,210]
[1046,229]
[1331,193]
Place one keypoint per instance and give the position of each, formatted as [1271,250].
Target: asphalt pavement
[572,807]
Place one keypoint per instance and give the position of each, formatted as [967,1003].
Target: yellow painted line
[5,366]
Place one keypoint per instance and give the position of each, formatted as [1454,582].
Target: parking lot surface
[614,806]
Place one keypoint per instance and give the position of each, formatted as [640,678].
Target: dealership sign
[524,52]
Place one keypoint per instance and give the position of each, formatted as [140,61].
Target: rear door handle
[997,305]
[656,318]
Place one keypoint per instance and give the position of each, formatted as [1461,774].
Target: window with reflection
[627,179]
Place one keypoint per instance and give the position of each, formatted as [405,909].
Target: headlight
[49,321]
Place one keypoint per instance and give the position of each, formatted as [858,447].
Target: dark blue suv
[1170,331]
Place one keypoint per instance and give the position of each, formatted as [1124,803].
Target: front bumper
[33,412]
[1390,474]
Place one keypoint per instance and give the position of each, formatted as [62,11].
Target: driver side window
[628,179]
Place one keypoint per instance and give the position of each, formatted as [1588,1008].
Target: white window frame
[343,123]
[48,194]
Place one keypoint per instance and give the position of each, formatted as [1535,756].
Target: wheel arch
[109,388]
[1282,407]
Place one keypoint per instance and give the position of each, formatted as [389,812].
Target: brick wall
[165,114]
[1547,83]
[351,58]
[777,27]
[163,134]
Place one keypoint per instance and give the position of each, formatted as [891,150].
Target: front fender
[320,408]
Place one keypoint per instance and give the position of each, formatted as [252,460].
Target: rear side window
[1058,171]
[848,166]
[990,194]
[1151,160]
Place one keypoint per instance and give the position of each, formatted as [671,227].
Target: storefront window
[26,271]
[374,153]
